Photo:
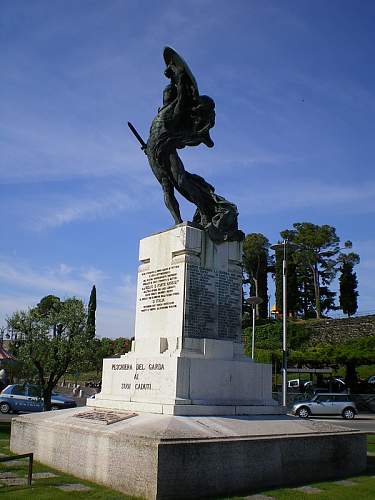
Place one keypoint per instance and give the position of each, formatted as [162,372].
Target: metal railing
[30,456]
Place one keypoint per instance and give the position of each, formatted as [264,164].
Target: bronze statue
[185,119]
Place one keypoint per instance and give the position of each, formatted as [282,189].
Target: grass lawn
[371,443]
[362,487]
[45,489]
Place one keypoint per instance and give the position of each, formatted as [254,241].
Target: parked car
[326,404]
[27,398]
[330,385]
[297,384]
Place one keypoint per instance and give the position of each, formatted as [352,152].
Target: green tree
[269,336]
[102,348]
[293,293]
[304,351]
[121,345]
[91,312]
[107,348]
[317,255]
[256,262]
[348,284]
[49,306]
[52,338]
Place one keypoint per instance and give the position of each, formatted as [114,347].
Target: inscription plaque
[159,289]
[213,303]
[105,417]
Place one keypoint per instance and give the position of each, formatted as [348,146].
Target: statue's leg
[170,200]
[193,190]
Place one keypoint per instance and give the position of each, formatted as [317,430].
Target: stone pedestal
[187,358]
[168,457]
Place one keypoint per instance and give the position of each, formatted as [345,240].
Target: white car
[326,404]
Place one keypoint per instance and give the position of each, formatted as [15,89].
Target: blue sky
[293,83]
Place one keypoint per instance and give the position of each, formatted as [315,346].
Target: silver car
[326,404]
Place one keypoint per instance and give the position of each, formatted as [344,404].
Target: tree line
[314,259]
[57,337]
[306,350]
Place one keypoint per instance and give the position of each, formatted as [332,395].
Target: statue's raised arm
[185,119]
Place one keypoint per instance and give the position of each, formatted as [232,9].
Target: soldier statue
[185,119]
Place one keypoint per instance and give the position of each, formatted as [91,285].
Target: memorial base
[170,457]
[206,377]
[187,357]
[187,409]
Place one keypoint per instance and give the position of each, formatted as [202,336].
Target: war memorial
[186,414]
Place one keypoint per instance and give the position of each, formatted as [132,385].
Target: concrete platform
[171,457]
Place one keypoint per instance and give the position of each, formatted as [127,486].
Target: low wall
[339,330]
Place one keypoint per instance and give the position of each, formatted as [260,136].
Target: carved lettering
[143,387]
[156,366]
[123,366]
[159,289]
[213,303]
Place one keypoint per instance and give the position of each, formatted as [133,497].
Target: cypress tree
[91,312]
[348,285]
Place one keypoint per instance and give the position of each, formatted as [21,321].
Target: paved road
[362,422]
[8,417]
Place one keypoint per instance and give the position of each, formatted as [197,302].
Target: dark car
[27,398]
[333,384]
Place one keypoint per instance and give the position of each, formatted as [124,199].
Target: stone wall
[341,330]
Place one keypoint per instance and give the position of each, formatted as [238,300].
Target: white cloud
[14,301]
[93,275]
[74,209]
[26,285]
[64,269]
[18,274]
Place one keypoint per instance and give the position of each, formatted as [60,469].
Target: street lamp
[283,246]
[254,301]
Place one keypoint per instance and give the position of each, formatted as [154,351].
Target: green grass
[83,377]
[364,488]
[43,489]
[363,371]
[371,443]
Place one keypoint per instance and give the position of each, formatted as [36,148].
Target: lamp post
[254,301]
[283,246]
